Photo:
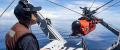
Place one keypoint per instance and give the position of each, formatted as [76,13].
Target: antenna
[7,8]
[64,7]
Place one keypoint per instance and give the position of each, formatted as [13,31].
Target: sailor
[20,37]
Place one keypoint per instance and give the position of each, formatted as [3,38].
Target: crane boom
[112,29]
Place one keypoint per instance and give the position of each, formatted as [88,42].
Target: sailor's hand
[48,21]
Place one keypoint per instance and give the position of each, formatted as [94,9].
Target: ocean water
[99,39]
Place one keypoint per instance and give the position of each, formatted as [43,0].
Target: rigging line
[7,8]
[64,7]
[92,4]
[41,15]
[109,7]
[104,5]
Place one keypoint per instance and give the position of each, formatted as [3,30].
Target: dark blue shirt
[28,43]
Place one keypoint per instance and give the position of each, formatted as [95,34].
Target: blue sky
[58,13]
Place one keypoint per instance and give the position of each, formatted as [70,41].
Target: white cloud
[7,14]
[62,13]
[8,17]
[66,14]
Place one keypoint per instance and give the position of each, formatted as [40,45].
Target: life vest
[17,32]
[87,26]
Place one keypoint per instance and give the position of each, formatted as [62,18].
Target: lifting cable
[7,8]
[104,5]
[92,4]
[109,7]
[78,12]
[64,7]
